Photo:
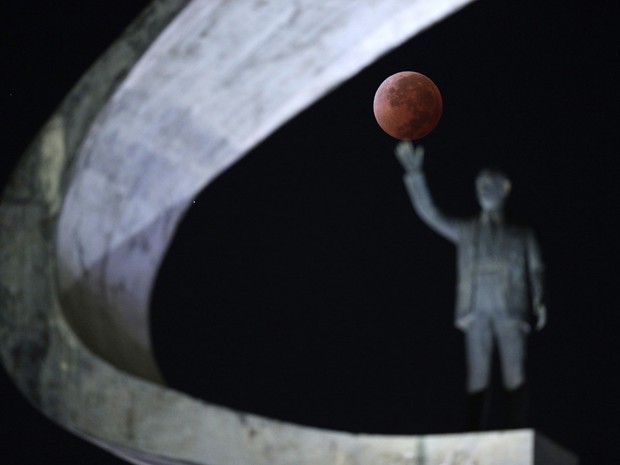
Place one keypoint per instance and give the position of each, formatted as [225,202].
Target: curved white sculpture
[186,92]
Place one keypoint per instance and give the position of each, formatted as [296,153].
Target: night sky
[302,286]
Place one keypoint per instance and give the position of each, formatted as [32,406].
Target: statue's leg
[517,407]
[511,344]
[479,350]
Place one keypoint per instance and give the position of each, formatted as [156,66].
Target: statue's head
[492,188]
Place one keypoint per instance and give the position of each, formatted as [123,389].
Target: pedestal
[514,447]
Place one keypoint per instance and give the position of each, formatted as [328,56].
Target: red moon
[408,105]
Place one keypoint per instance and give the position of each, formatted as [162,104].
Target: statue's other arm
[411,158]
[536,277]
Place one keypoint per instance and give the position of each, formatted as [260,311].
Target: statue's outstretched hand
[410,156]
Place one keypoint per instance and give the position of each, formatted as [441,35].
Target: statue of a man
[499,281]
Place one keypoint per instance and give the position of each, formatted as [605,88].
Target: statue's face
[492,189]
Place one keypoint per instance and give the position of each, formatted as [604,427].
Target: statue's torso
[492,271]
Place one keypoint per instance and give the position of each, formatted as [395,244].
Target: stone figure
[499,283]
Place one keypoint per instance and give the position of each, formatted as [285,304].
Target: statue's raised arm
[411,158]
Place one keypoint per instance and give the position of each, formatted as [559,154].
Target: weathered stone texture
[92,205]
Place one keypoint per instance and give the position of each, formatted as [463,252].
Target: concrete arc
[188,90]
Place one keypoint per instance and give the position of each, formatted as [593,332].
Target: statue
[499,280]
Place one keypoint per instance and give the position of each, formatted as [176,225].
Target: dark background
[302,286]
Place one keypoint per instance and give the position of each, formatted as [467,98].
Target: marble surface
[87,216]
[216,82]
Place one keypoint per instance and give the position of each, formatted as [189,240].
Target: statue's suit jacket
[518,257]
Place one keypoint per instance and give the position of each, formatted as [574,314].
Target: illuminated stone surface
[94,202]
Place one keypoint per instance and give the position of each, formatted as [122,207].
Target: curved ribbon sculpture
[187,90]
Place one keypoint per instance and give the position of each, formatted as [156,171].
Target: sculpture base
[512,447]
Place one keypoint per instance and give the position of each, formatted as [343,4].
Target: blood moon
[408,105]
